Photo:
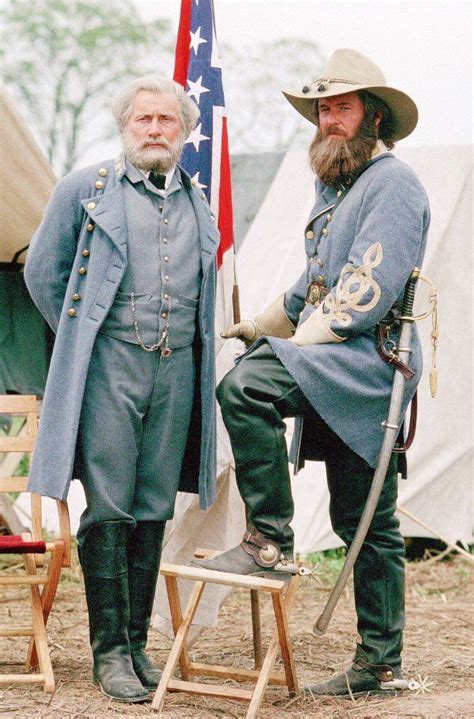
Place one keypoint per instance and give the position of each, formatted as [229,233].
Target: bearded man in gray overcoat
[123,269]
[315,356]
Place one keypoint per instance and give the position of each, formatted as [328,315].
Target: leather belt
[316,293]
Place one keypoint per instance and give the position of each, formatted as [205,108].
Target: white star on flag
[196,89]
[195,137]
[196,40]
[195,181]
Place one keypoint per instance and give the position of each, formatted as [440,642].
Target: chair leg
[179,646]
[47,597]
[39,630]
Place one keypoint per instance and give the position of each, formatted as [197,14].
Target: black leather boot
[379,569]
[361,679]
[254,555]
[103,557]
[144,553]
[255,397]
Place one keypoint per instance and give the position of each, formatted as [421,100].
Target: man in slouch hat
[314,356]
[123,269]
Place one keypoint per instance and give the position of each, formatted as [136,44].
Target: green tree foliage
[64,60]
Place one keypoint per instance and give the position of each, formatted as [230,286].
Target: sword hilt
[409,295]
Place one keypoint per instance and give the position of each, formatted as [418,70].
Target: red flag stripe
[182,44]
[225,219]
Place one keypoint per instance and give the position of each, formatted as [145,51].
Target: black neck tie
[157,179]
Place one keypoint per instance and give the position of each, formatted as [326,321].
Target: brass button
[83,270]
[329,217]
[166,278]
[325,231]
[86,252]
[389,674]
[90,227]
[320,262]
[99,185]
[161,208]
[91,205]
[76,297]
[166,258]
[72,312]
[167,297]
[320,278]
[165,240]
[164,315]
[309,235]
[103,172]
[165,221]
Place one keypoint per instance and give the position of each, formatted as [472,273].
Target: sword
[391,428]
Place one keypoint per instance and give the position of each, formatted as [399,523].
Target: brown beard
[336,160]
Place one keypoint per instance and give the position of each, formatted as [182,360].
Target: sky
[423,48]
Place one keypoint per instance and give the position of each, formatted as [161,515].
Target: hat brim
[403,110]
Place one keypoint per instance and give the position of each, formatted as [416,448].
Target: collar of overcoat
[107,210]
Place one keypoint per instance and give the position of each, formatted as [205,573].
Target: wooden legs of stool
[283,596]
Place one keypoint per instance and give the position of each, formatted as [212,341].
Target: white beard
[146,158]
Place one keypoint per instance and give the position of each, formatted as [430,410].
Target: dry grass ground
[438,648]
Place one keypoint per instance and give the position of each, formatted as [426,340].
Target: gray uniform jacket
[363,250]
[80,249]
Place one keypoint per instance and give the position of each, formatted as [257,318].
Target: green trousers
[255,397]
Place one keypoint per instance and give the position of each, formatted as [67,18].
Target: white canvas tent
[26,180]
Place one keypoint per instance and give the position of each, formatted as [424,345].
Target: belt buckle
[314,293]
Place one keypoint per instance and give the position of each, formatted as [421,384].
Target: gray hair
[122,105]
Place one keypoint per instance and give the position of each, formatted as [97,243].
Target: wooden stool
[283,594]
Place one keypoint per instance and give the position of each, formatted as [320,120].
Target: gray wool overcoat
[80,249]
[362,247]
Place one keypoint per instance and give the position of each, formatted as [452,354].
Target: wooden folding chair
[43,560]
[283,594]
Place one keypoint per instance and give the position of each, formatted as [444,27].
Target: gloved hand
[245,330]
[274,322]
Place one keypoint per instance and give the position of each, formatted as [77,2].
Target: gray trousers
[133,429]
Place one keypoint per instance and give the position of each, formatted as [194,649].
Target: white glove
[314,331]
[245,330]
[273,322]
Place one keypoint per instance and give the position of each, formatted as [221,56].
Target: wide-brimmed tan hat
[349,71]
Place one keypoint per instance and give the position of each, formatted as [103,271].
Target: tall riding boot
[255,397]
[144,553]
[103,556]
[380,567]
